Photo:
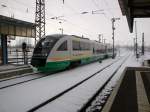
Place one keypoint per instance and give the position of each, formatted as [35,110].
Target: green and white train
[57,52]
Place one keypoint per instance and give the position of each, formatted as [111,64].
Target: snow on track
[21,98]
[101,99]
[20,80]
[74,100]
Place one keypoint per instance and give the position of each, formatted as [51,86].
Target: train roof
[65,35]
[80,37]
[75,36]
[56,35]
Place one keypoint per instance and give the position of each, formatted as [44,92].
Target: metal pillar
[136,45]
[99,37]
[113,29]
[102,38]
[40,19]
[62,31]
[104,41]
[4,49]
[142,43]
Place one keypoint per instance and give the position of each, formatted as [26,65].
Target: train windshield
[44,46]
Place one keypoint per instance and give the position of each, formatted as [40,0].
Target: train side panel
[81,50]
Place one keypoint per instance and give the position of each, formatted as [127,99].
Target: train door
[62,52]
[69,48]
[76,49]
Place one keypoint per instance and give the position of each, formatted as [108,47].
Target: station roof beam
[15,27]
[134,9]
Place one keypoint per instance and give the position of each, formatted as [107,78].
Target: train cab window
[45,45]
[63,46]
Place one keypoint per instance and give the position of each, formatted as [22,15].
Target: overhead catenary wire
[30,8]
[75,14]
[82,29]
[25,5]
[99,8]
[12,10]
[96,4]
[108,7]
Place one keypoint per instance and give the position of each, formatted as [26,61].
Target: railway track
[59,95]
[15,77]
[21,79]
[103,94]
[32,93]
[9,82]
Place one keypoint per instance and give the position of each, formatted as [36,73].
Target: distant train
[57,52]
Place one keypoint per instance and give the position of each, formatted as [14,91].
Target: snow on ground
[102,97]
[17,80]
[76,98]
[22,97]
[146,56]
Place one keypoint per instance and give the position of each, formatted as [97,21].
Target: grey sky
[89,25]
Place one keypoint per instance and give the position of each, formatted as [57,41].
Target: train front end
[42,51]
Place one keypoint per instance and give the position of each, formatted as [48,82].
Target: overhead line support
[40,19]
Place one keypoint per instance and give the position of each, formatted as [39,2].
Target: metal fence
[18,56]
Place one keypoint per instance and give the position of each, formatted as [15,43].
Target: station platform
[132,92]
[9,70]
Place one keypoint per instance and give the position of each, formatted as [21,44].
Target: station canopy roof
[15,27]
[134,9]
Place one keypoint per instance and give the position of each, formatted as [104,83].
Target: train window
[76,45]
[45,45]
[49,42]
[63,46]
[85,46]
[82,45]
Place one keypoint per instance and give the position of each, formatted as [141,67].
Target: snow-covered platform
[132,93]
[7,71]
